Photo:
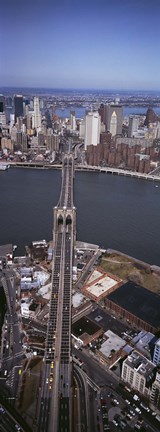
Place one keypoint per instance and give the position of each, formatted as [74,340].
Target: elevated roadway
[55,405]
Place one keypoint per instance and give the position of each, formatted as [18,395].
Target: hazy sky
[112,44]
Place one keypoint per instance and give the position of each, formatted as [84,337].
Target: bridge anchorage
[55,403]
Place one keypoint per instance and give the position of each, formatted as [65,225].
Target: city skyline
[72,44]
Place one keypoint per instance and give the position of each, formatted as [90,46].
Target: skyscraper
[133,126]
[18,106]
[118,109]
[72,120]
[92,129]
[2,103]
[113,124]
[36,119]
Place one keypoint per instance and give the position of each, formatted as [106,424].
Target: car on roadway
[145,407]
[115,401]
[114,422]
[127,402]
[138,410]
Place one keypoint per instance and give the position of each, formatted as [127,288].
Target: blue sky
[105,44]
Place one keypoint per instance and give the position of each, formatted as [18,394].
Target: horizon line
[78,88]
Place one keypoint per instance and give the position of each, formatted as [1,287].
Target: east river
[115,212]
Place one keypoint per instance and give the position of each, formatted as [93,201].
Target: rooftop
[112,344]
[139,363]
[139,301]
[84,325]
[99,283]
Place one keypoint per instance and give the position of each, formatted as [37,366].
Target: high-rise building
[52,140]
[72,120]
[13,133]
[156,355]
[155,393]
[6,143]
[18,106]
[2,119]
[133,126]
[11,122]
[113,124]
[36,119]
[2,104]
[118,110]
[24,142]
[92,129]
[102,113]
[40,139]
[82,129]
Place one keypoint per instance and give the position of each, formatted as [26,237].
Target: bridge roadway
[55,405]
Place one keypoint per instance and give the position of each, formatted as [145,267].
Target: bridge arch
[68,220]
[60,220]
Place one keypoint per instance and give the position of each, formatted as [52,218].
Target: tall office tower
[36,119]
[102,113]
[24,142]
[113,124]
[118,109]
[13,133]
[2,119]
[18,106]
[72,120]
[92,129]
[28,121]
[19,140]
[53,142]
[40,139]
[41,104]
[11,122]
[82,129]
[156,355]
[2,104]
[31,104]
[155,393]
[133,126]
[19,123]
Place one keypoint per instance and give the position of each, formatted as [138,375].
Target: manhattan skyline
[95,44]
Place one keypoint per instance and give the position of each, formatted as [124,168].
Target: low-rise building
[86,331]
[100,284]
[112,349]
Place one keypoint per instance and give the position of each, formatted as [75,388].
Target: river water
[127,111]
[112,211]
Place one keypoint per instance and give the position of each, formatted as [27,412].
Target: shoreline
[89,168]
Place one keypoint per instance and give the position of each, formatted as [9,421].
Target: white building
[92,129]
[113,124]
[36,118]
[138,372]
[82,129]
[12,121]
[73,120]
[25,309]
